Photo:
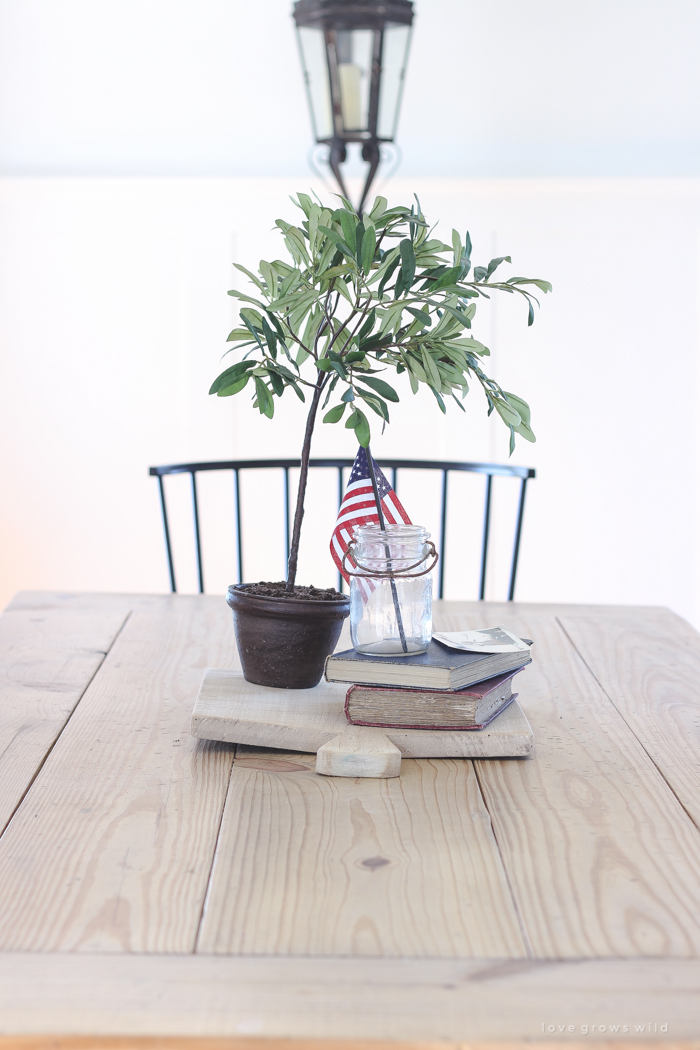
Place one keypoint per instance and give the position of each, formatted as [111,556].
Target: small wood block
[359,751]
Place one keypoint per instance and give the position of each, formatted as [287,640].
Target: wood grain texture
[50,648]
[398,999]
[359,751]
[174,1042]
[308,865]
[602,859]
[648,663]
[112,847]
[229,708]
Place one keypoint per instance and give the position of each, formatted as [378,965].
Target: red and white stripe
[359,508]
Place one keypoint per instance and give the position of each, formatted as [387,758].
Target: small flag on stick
[359,507]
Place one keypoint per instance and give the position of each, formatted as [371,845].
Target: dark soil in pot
[285,636]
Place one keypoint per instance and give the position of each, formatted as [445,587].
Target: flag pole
[382,526]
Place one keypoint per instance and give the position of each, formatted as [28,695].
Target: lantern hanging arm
[354,55]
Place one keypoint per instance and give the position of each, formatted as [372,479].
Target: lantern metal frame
[330,16]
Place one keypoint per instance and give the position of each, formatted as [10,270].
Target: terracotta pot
[284,642]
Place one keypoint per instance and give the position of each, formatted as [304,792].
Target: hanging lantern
[354,54]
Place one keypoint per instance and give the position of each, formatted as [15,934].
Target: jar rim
[372,531]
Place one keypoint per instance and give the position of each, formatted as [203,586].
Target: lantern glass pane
[354,57]
[394,59]
[312,45]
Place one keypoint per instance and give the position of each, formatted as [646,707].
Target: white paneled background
[146,145]
[113,318]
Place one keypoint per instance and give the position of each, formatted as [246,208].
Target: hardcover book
[439,668]
[469,708]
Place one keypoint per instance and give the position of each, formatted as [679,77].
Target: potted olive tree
[359,299]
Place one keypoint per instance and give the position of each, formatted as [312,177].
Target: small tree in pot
[352,305]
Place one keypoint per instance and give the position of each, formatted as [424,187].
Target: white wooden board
[229,708]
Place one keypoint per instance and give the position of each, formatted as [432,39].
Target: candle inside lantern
[350,77]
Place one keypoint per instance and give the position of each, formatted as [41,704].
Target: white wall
[113,316]
[213,87]
[147,144]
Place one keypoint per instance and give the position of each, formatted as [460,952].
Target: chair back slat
[287,539]
[166,529]
[197,537]
[485,539]
[489,470]
[443,535]
[516,544]
[239,532]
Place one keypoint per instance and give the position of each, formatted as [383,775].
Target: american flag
[358,507]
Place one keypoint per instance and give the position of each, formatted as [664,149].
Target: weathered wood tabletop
[153,883]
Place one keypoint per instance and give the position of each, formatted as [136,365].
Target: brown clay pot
[284,642]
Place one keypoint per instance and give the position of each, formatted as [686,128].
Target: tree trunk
[303,477]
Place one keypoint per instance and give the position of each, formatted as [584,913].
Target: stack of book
[439,689]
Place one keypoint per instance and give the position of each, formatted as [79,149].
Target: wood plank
[112,847]
[602,859]
[398,999]
[403,867]
[648,663]
[51,645]
[229,708]
[174,1042]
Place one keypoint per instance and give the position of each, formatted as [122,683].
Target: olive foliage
[361,298]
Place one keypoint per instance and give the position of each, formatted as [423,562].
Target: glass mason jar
[391,589]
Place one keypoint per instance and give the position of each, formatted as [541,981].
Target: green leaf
[408,263]
[458,402]
[238,334]
[524,430]
[378,208]
[270,278]
[430,368]
[439,400]
[252,331]
[341,286]
[421,315]
[232,388]
[520,406]
[495,263]
[348,223]
[352,420]
[231,374]
[348,396]
[376,404]
[362,431]
[324,364]
[335,271]
[544,286]
[380,386]
[388,275]
[265,401]
[256,281]
[270,337]
[359,237]
[530,313]
[456,248]
[367,326]
[276,382]
[337,239]
[507,413]
[335,414]
[369,245]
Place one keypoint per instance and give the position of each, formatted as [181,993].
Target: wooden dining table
[152,884]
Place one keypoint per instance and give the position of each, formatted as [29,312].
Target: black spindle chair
[489,470]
